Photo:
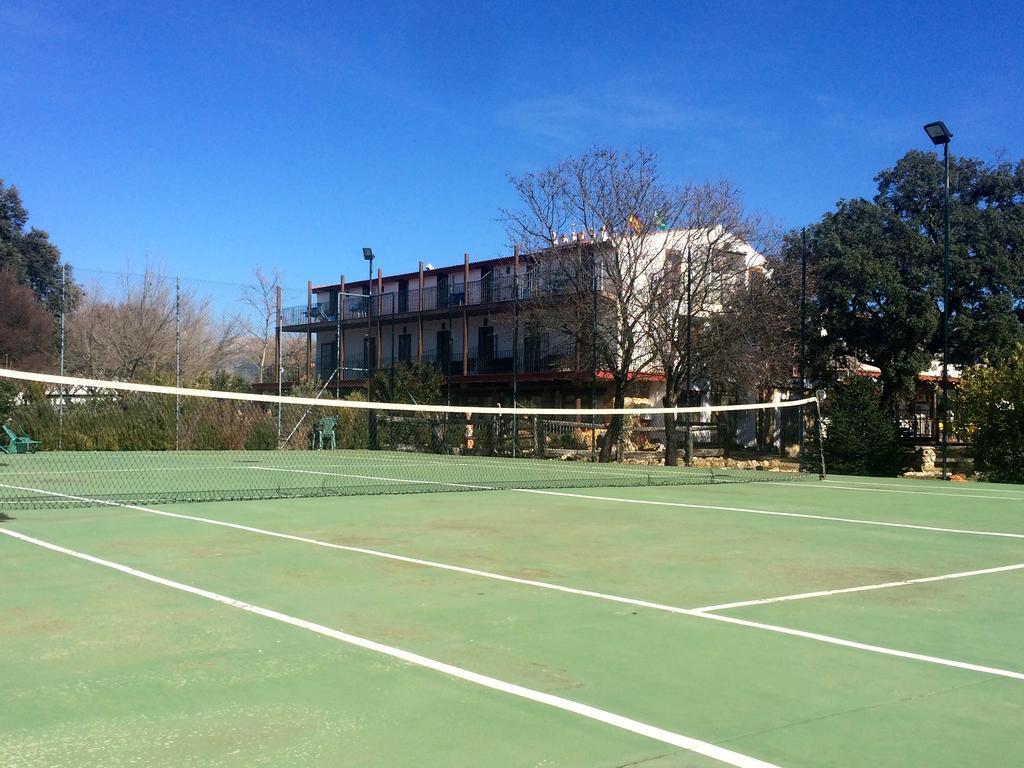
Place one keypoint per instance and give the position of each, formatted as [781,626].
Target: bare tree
[623,220]
[711,260]
[261,298]
[131,334]
[751,342]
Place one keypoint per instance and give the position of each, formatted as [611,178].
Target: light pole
[940,134]
[370,352]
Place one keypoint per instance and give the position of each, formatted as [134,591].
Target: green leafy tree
[860,437]
[990,411]
[878,277]
[34,260]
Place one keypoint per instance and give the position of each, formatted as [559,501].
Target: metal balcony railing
[455,294]
[536,358]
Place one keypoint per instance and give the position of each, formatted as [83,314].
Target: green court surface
[615,627]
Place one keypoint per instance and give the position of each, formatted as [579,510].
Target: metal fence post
[177,362]
[63,313]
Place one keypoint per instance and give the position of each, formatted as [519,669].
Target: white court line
[983,487]
[865,588]
[557,588]
[585,710]
[851,520]
[833,486]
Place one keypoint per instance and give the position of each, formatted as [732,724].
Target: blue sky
[211,137]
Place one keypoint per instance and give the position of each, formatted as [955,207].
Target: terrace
[451,295]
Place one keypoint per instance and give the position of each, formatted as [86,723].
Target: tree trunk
[671,445]
[611,435]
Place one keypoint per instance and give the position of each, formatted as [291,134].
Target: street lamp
[370,351]
[940,134]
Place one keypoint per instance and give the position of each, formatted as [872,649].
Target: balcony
[498,361]
[454,295]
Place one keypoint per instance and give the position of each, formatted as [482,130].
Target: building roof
[752,258]
[933,372]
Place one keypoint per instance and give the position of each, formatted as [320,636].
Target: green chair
[323,434]
[327,428]
[18,444]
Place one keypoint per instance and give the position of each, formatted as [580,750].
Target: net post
[818,397]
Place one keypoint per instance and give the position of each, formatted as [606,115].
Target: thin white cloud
[569,118]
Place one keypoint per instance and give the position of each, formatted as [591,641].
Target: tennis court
[845,622]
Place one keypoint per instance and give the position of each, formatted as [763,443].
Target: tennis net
[74,441]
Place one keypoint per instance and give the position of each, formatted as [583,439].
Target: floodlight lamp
[368,254]
[938,132]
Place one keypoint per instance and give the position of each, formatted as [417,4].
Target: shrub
[860,437]
[263,436]
[990,416]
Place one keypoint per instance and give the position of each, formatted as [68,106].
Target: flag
[634,222]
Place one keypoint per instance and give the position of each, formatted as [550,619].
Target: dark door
[403,295]
[444,349]
[405,348]
[328,360]
[442,290]
[531,352]
[485,348]
[369,354]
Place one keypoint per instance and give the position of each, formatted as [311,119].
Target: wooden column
[419,322]
[465,316]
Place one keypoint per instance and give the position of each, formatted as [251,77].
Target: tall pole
[309,330]
[689,351]
[940,134]
[370,353]
[391,385]
[515,325]
[371,358]
[280,367]
[803,325]
[945,318]
[63,313]
[515,349]
[339,303]
[177,362]
[595,279]
[803,308]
